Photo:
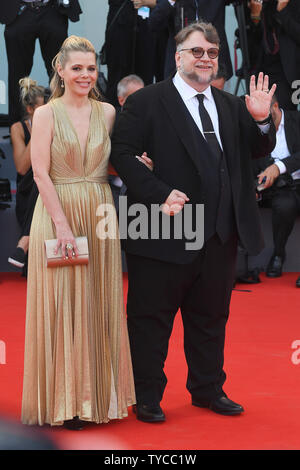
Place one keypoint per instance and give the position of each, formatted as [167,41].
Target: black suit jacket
[9,10]
[156,120]
[292,134]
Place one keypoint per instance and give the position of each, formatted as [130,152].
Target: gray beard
[192,76]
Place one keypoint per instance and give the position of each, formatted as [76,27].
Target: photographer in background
[275,28]
[281,171]
[176,14]
[129,44]
[25,21]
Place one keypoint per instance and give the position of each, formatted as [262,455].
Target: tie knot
[200,97]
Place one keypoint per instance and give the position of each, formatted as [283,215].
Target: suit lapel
[226,128]
[182,121]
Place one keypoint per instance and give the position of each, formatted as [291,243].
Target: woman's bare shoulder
[43,121]
[17,128]
[109,115]
[108,109]
[43,112]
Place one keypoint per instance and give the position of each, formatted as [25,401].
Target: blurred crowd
[139,50]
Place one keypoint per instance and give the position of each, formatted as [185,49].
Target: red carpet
[263,374]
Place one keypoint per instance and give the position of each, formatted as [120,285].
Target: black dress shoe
[298,282]
[74,424]
[274,268]
[221,405]
[149,413]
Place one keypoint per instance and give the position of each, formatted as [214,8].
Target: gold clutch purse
[54,260]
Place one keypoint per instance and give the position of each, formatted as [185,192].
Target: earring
[62,83]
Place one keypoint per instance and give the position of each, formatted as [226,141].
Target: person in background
[281,171]
[130,45]
[176,14]
[31,96]
[25,21]
[127,86]
[274,31]
[221,78]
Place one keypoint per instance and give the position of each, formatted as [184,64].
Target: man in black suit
[25,22]
[281,171]
[165,273]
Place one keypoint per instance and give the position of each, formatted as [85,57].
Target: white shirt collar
[186,91]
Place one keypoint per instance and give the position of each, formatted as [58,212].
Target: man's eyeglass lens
[198,52]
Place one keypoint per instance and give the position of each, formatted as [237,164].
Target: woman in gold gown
[77,364]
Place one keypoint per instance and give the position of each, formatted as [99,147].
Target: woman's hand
[146,161]
[66,241]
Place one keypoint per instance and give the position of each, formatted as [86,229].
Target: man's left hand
[259,101]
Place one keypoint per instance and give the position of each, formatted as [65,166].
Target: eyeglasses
[198,52]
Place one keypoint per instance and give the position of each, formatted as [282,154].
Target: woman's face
[39,102]
[79,73]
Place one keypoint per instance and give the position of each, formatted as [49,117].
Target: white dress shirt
[188,95]
[281,149]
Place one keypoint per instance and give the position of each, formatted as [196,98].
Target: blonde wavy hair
[71,44]
[30,91]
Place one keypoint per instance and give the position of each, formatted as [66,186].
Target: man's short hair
[123,84]
[207,29]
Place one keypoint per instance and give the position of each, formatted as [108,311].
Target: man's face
[132,88]
[195,71]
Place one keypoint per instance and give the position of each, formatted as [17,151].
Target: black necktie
[208,129]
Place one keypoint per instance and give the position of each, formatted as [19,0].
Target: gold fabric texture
[77,358]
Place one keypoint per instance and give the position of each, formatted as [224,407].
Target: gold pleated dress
[77,358]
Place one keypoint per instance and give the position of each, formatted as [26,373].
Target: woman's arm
[21,152]
[42,134]
[109,116]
